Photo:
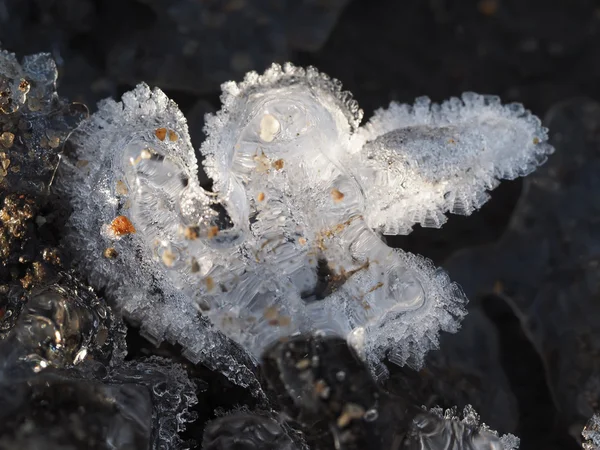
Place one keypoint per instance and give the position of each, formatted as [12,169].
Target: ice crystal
[591,433]
[454,431]
[251,431]
[289,238]
[134,405]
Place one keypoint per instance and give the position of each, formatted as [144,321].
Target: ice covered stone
[34,121]
[288,240]
[331,394]
[447,430]
[58,324]
[134,405]
[245,430]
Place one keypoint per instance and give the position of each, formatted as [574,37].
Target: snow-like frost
[288,240]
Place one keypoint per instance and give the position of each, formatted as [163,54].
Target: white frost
[288,241]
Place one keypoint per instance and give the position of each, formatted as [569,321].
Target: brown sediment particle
[51,255]
[488,7]
[321,389]
[161,133]
[377,286]
[110,253]
[213,232]
[536,141]
[54,142]
[303,364]
[278,165]
[121,226]
[191,233]
[350,412]
[38,273]
[27,280]
[270,313]
[284,321]
[172,136]
[262,162]
[24,86]
[195,267]
[274,318]
[168,257]
[337,195]
[81,163]
[7,139]
[302,241]
[210,283]
[121,188]
[333,231]
[261,196]
[498,288]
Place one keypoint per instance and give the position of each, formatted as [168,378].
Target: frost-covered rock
[591,433]
[446,430]
[322,386]
[134,405]
[289,239]
[245,430]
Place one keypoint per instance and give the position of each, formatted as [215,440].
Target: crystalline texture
[591,433]
[429,159]
[134,405]
[288,241]
[322,386]
[249,431]
[443,430]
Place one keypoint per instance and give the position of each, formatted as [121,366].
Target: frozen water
[250,431]
[443,430]
[288,240]
[591,434]
[134,405]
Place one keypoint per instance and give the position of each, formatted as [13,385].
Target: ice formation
[134,405]
[331,396]
[289,238]
[591,433]
[250,431]
[446,429]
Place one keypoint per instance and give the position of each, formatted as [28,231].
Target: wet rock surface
[546,266]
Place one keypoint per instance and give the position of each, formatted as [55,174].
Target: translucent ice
[591,433]
[249,431]
[331,394]
[133,405]
[288,240]
[445,430]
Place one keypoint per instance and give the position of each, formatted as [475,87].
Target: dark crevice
[538,421]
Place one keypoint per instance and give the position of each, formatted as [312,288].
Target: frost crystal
[591,433]
[448,430]
[288,240]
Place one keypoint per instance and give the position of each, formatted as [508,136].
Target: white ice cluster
[288,240]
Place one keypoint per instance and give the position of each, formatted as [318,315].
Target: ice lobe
[429,159]
[288,240]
